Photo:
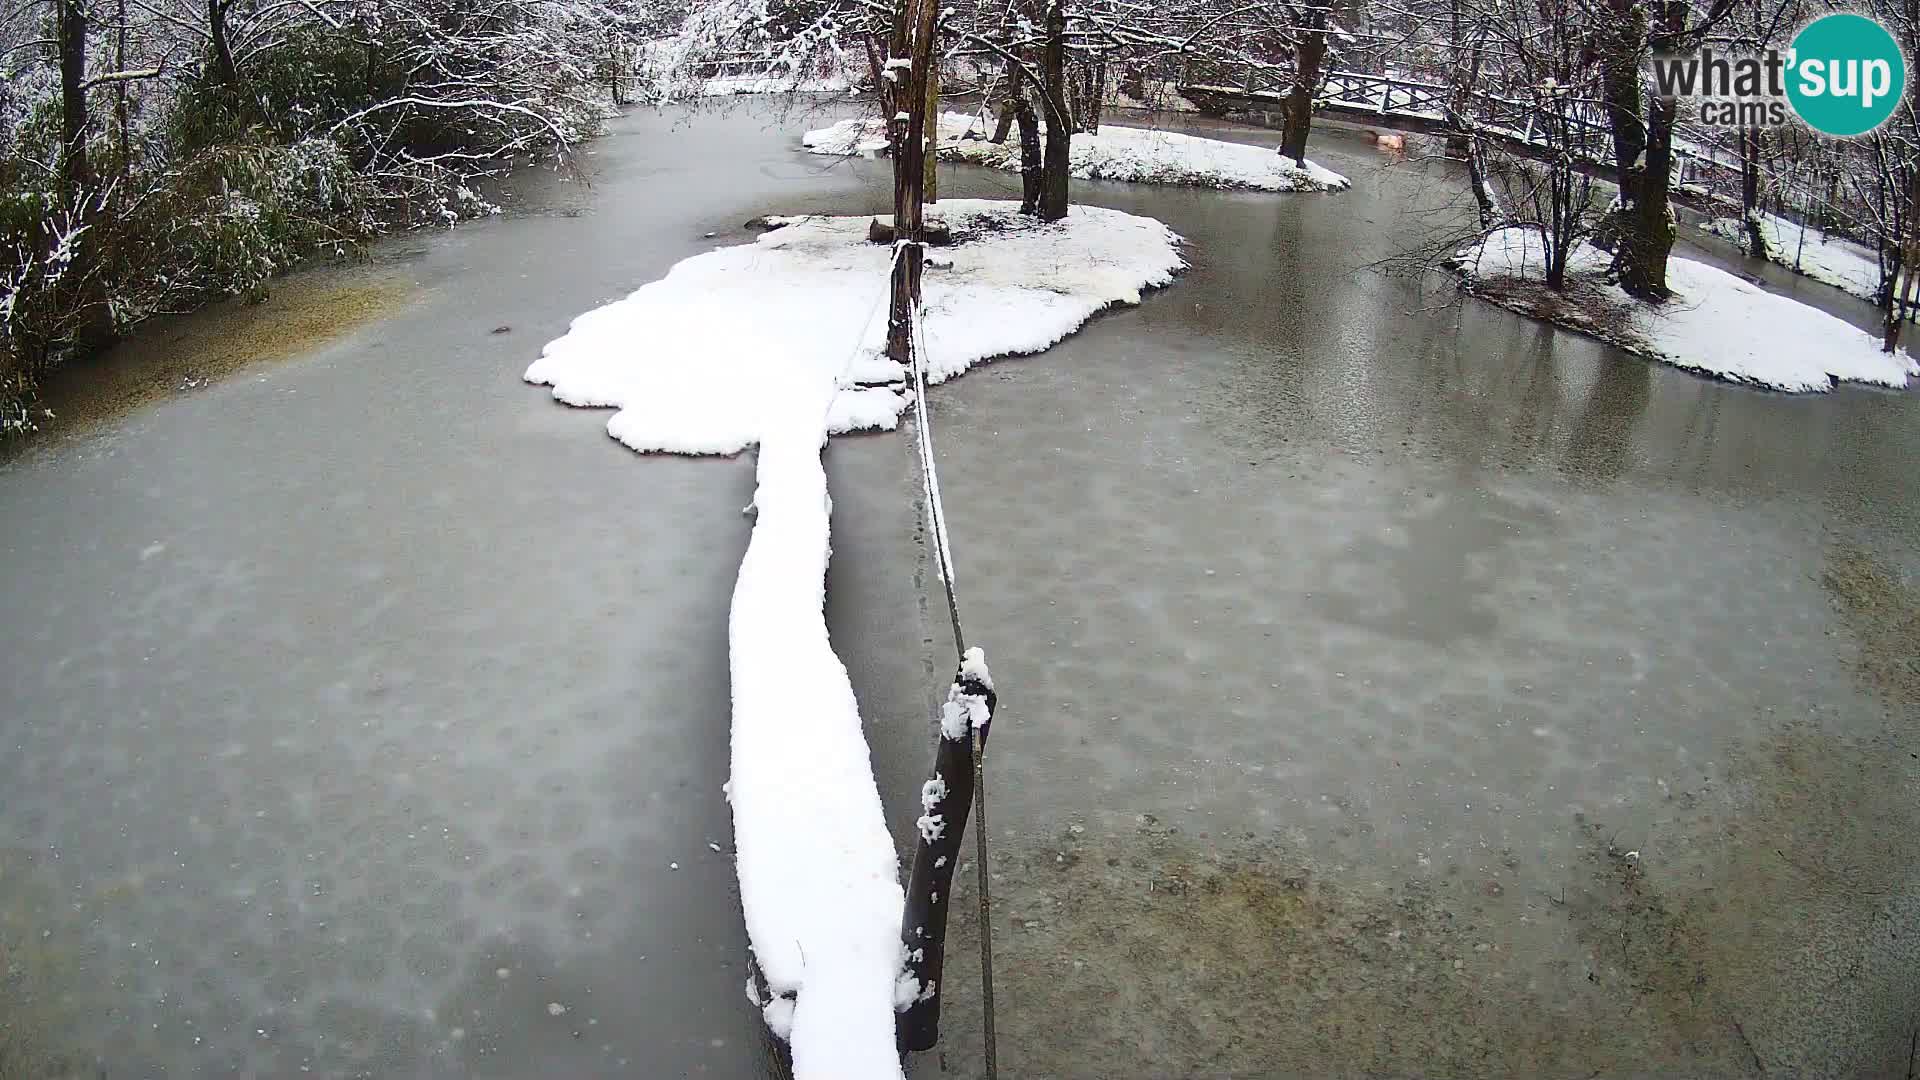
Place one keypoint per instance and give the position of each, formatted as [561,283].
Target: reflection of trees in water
[1603,433]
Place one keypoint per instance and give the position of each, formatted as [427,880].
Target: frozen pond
[1389,686]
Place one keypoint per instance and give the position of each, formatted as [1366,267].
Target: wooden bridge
[1517,128]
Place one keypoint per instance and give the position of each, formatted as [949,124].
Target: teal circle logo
[1846,74]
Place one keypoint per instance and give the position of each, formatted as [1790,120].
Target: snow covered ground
[768,343]
[728,86]
[1137,155]
[1829,260]
[1716,323]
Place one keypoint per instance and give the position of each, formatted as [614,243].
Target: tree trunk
[1058,163]
[1900,294]
[1647,230]
[1624,46]
[909,174]
[1490,214]
[876,66]
[1096,98]
[72,30]
[1556,269]
[1750,190]
[225,73]
[931,102]
[1297,112]
[1030,163]
[121,118]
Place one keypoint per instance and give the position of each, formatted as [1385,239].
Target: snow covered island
[1136,155]
[1715,323]
[779,343]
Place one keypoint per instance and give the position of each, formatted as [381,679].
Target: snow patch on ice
[1133,154]
[1715,323]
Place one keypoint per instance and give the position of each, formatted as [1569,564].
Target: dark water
[368,713]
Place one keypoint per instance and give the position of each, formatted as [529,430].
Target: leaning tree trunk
[1750,190]
[1297,113]
[1053,62]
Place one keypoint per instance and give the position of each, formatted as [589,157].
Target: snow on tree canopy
[763,343]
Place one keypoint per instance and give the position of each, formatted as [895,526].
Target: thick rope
[943,553]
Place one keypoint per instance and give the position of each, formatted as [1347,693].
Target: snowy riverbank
[1716,323]
[770,343]
[1829,260]
[1136,155]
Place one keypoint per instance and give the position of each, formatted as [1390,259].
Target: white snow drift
[1138,155]
[1715,323]
[765,343]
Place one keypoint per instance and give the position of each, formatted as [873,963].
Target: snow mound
[1136,155]
[1715,323]
[701,361]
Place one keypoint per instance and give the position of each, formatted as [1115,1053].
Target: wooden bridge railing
[1415,105]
